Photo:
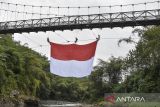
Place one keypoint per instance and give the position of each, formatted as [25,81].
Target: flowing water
[48,103]
[58,104]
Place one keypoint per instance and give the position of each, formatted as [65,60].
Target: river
[51,103]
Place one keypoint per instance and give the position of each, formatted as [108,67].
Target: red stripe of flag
[73,51]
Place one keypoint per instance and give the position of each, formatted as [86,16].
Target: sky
[106,47]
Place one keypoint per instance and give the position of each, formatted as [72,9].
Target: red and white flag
[72,60]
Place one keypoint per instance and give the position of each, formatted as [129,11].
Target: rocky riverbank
[18,103]
[11,103]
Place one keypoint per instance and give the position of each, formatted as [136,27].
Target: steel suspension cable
[25,13]
[32,15]
[82,40]
[40,12]
[158,4]
[68,11]
[0,11]
[79,10]
[33,41]
[88,9]
[145,5]
[15,12]
[133,7]
[94,34]
[40,45]
[110,7]
[83,6]
[99,7]
[7,12]
[5,15]
[29,12]
[62,37]
[49,11]
[58,10]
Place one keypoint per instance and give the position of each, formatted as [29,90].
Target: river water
[50,103]
[46,104]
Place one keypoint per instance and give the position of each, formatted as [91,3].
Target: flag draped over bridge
[72,60]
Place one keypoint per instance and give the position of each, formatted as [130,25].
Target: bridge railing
[109,18]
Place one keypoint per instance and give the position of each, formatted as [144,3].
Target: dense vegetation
[25,72]
[21,69]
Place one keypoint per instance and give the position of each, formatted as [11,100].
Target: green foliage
[21,68]
[144,62]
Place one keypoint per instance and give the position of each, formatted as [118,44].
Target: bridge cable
[76,35]
[133,7]
[33,41]
[99,9]
[17,15]
[28,12]
[32,15]
[0,10]
[15,12]
[68,11]
[145,5]
[110,8]
[25,13]
[58,10]
[49,10]
[83,6]
[62,37]
[39,45]
[88,10]
[121,6]
[40,12]
[7,12]
[5,15]
[92,40]
[79,10]
[94,34]
[158,4]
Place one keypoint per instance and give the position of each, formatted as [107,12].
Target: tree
[144,62]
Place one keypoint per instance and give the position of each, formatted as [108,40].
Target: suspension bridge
[18,18]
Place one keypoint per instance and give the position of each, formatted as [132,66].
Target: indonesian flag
[72,60]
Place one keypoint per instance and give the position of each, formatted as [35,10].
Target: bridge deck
[105,20]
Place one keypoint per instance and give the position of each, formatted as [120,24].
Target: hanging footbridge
[47,21]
